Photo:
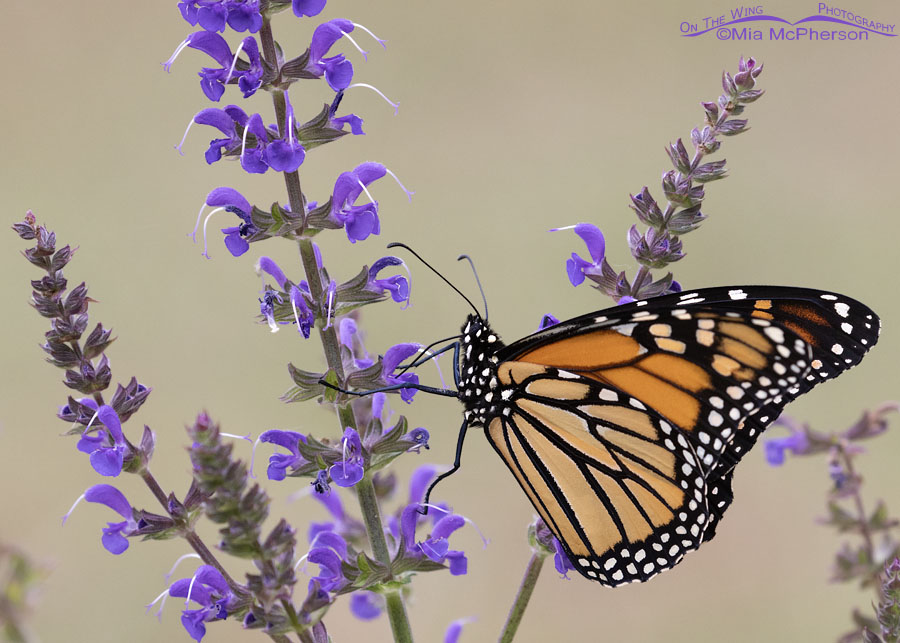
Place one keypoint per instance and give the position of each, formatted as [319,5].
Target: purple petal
[107,461]
[397,354]
[307,7]
[284,157]
[216,118]
[459,564]
[332,502]
[419,481]
[228,196]
[287,439]
[354,121]
[333,541]
[447,525]
[436,549]
[594,239]
[366,605]
[369,172]
[408,519]
[339,73]
[110,419]
[236,244]
[213,45]
[271,268]
[548,320]
[112,539]
[106,494]
[325,35]
[346,474]
[212,17]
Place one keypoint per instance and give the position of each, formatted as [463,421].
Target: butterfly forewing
[624,426]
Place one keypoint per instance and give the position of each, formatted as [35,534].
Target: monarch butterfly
[623,427]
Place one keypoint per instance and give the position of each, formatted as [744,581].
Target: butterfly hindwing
[618,485]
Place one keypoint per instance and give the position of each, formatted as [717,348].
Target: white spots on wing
[567,375]
[737,294]
[624,329]
[715,418]
[829,297]
[847,328]
[637,404]
[841,309]
[775,334]
[661,330]
[735,392]
[837,349]
[608,395]
[817,364]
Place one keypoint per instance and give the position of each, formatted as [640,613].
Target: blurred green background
[514,118]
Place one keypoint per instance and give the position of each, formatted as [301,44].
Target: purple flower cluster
[661,245]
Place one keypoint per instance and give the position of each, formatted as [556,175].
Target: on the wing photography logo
[830,22]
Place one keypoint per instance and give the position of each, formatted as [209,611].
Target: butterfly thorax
[478,383]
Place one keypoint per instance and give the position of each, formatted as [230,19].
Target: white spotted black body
[478,384]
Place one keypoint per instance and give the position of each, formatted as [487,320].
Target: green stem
[368,504]
[327,334]
[522,597]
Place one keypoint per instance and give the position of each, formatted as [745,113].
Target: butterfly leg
[454,469]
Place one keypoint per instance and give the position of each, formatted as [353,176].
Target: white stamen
[168,64]
[366,190]
[72,508]
[175,566]
[567,227]
[193,235]
[244,140]
[365,54]
[396,106]
[437,365]
[187,599]
[161,599]
[330,311]
[290,129]
[409,193]
[205,222]
[380,41]
[184,138]
[233,62]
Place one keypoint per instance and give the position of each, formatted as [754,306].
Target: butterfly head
[478,368]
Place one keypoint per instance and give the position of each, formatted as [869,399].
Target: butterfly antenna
[477,281]
[397,244]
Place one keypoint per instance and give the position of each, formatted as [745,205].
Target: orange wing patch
[587,352]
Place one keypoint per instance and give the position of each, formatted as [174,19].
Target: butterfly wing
[619,486]
[626,424]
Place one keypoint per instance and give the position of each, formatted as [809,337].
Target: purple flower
[560,559]
[226,121]
[389,363]
[366,605]
[349,470]
[253,159]
[235,236]
[338,71]
[328,554]
[359,221]
[576,267]
[115,534]
[307,7]
[437,546]
[547,321]
[300,298]
[244,16]
[303,314]
[249,80]
[267,307]
[286,154]
[208,588]
[107,448]
[417,439]
[796,443]
[397,285]
[348,334]
[279,463]
[213,79]
[451,635]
